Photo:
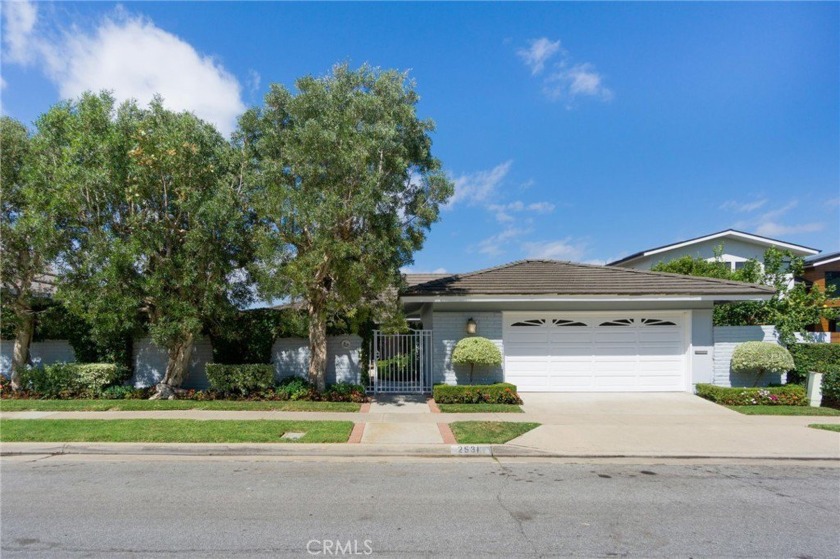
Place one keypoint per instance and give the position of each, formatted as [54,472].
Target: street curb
[345,450]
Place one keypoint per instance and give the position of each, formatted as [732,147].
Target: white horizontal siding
[449,328]
[727,338]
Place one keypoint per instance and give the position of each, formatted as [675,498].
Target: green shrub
[70,380]
[240,379]
[787,395]
[118,392]
[344,392]
[820,358]
[831,390]
[476,351]
[501,393]
[293,388]
[758,358]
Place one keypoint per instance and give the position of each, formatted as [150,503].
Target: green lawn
[479,408]
[488,432]
[784,410]
[826,426]
[171,431]
[156,405]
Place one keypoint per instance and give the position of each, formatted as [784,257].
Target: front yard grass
[479,408]
[827,426]
[488,432]
[160,405]
[171,431]
[784,410]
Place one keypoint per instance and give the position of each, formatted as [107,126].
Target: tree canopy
[793,308]
[345,188]
[153,208]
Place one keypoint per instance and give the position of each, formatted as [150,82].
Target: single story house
[562,326]
[738,248]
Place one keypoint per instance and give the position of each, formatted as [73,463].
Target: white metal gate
[401,363]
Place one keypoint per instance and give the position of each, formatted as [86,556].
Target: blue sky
[574,131]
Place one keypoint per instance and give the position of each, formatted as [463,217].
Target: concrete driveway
[667,424]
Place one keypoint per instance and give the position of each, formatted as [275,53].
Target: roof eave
[511,298]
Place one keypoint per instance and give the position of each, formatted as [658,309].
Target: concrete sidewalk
[582,425]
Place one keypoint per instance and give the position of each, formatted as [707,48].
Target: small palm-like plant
[476,351]
[759,358]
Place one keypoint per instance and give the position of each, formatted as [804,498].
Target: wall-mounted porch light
[471,326]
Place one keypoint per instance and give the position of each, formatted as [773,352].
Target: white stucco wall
[290,357]
[150,363]
[449,327]
[727,338]
[45,352]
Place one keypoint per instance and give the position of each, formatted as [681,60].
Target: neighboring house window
[832,326]
[832,279]
[740,265]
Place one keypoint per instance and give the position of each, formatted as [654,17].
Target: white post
[814,389]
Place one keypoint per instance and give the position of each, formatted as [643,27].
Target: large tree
[346,188]
[155,211]
[28,238]
[793,308]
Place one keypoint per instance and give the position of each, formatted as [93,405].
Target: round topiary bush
[476,351]
[759,358]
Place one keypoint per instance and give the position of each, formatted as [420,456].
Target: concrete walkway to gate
[648,424]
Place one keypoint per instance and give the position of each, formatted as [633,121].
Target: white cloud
[743,207]
[578,80]
[19,21]
[773,229]
[567,80]
[541,207]
[538,53]
[770,223]
[478,187]
[504,211]
[407,270]
[497,244]
[563,249]
[130,56]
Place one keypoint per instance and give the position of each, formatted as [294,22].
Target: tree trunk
[317,345]
[177,368]
[23,339]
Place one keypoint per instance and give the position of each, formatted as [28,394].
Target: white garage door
[619,352]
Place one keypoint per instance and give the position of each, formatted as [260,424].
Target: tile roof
[553,277]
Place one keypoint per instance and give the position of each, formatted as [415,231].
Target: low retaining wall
[45,352]
[290,357]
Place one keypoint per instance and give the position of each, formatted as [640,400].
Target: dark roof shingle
[553,277]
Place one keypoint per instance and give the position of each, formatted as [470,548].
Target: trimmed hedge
[758,358]
[500,393]
[787,395]
[70,380]
[820,358]
[242,379]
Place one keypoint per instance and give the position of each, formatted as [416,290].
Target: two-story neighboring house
[738,248]
[824,271]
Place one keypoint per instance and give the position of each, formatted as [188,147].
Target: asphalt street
[89,506]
